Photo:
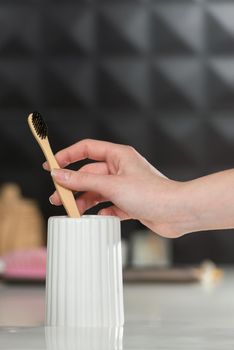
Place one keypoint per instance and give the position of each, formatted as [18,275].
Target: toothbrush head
[37,122]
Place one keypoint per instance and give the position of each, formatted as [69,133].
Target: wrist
[177,217]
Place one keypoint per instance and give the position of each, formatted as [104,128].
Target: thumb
[81,181]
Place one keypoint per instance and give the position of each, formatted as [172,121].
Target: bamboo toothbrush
[40,132]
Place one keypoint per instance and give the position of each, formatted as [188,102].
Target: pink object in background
[25,265]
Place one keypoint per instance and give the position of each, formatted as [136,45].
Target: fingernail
[51,200]
[45,166]
[60,174]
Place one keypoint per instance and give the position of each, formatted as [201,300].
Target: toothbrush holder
[84,286]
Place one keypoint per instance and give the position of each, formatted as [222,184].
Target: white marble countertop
[183,316]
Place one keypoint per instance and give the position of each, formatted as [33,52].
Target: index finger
[87,148]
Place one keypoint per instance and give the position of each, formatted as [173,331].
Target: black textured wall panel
[155,74]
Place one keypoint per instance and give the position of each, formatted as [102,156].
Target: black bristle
[39,125]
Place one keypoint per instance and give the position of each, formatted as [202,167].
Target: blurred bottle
[21,222]
[150,250]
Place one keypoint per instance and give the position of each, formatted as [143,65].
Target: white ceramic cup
[84,285]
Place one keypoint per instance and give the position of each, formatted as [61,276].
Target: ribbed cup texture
[84,338]
[84,272]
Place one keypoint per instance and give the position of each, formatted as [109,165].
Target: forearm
[206,203]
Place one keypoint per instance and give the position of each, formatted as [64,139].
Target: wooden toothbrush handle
[66,195]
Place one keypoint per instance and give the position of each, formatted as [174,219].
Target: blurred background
[157,75]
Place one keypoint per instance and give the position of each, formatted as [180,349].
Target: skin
[139,191]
